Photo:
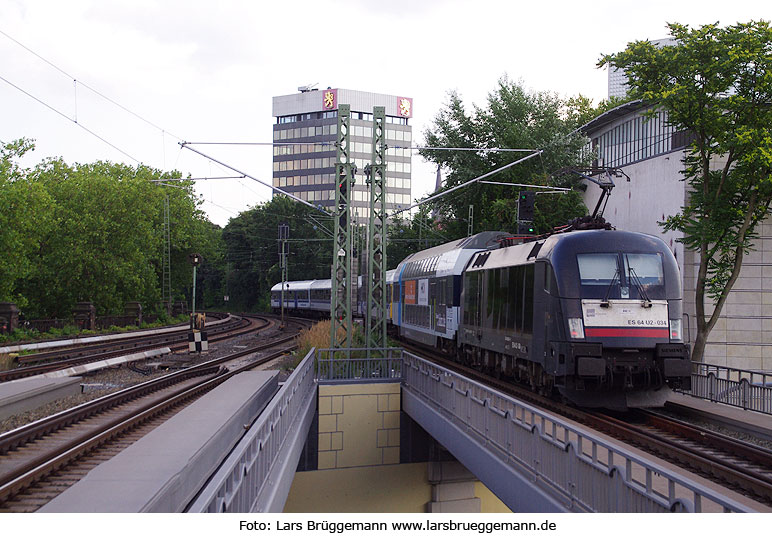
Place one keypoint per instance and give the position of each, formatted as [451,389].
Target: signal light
[525,205]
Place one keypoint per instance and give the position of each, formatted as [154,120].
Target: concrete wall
[742,337]
[649,197]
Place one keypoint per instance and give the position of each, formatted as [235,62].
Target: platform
[755,423]
[27,394]
[165,469]
[34,391]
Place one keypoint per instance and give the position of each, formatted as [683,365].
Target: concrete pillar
[9,318]
[452,488]
[84,314]
[134,308]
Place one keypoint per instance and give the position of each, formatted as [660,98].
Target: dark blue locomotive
[594,315]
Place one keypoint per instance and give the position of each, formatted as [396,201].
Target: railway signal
[525,206]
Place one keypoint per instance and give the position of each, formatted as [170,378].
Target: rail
[576,469]
[743,388]
[257,475]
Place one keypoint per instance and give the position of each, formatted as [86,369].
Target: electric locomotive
[594,315]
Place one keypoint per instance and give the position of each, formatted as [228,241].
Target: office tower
[306,167]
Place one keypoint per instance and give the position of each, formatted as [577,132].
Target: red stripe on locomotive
[661,332]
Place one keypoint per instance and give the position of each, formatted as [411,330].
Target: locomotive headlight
[576,328]
[675,330]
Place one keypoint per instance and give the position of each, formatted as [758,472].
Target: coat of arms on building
[330,99]
[405,107]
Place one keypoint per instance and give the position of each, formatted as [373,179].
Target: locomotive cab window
[621,275]
[647,268]
[597,269]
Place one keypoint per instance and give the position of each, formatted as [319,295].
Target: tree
[715,83]
[26,216]
[92,232]
[409,235]
[512,118]
[251,241]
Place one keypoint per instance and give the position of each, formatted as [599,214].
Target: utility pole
[283,252]
[376,258]
[340,306]
[470,222]
[197,339]
[166,288]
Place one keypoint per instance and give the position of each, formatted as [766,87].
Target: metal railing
[743,388]
[584,471]
[351,364]
[256,476]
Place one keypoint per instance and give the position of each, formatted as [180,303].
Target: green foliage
[26,215]
[251,249]
[409,235]
[716,85]
[94,232]
[512,118]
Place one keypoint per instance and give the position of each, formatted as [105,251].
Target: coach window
[471,295]
[550,285]
[528,301]
[491,279]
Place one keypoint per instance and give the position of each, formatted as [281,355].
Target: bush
[318,336]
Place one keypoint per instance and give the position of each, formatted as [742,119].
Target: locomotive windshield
[597,269]
[646,267]
[621,275]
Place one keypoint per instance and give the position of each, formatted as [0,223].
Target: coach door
[439,304]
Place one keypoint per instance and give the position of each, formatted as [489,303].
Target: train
[594,315]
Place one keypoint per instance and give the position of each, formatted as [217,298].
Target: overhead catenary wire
[186,145]
[198,178]
[333,143]
[467,183]
[55,110]
[552,188]
[81,83]
[76,83]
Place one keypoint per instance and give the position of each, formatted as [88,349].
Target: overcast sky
[206,71]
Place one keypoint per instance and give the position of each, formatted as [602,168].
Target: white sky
[206,71]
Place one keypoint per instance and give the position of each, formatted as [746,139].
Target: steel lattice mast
[166,288]
[340,291]
[376,260]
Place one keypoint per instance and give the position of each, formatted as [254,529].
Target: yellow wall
[387,488]
[490,503]
[359,468]
[358,425]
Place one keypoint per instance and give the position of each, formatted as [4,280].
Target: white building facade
[650,152]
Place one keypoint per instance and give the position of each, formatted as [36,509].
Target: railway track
[735,464]
[40,460]
[739,465]
[43,362]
